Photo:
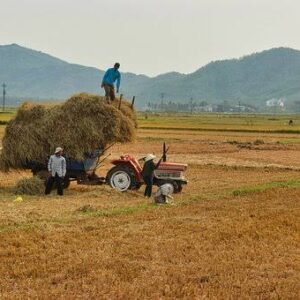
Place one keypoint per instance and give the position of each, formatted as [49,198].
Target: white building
[276,103]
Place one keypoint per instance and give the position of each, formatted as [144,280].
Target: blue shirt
[110,76]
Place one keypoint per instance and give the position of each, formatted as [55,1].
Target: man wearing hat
[109,78]
[57,171]
[148,172]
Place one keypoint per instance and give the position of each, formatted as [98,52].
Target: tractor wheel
[121,178]
[179,189]
[66,182]
[176,185]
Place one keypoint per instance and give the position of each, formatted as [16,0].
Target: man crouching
[57,171]
[163,195]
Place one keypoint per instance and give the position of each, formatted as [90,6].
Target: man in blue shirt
[109,78]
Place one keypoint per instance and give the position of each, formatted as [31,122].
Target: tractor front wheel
[179,187]
[176,185]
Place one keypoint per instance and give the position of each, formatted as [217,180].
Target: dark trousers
[149,183]
[59,184]
[109,92]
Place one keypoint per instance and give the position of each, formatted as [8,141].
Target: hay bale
[30,186]
[80,125]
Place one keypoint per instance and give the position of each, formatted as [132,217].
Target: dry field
[234,232]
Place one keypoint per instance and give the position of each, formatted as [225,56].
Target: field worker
[109,78]
[163,195]
[148,173]
[57,171]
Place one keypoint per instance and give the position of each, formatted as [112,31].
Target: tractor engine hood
[164,166]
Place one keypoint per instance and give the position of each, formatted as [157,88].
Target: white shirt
[57,164]
[165,189]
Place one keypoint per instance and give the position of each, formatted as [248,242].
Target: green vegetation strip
[264,187]
[287,131]
[290,141]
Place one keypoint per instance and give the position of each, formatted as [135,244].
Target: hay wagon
[81,171]
[124,175]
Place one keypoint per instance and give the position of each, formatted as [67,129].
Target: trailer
[81,171]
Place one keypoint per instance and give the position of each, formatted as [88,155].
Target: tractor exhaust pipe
[164,158]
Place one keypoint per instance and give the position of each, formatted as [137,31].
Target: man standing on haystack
[109,78]
[57,171]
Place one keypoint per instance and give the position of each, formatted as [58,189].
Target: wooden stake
[132,102]
[120,102]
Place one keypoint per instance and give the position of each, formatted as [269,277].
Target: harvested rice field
[233,232]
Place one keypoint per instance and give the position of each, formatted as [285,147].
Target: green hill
[252,79]
[262,76]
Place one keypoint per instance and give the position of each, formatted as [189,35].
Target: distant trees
[168,106]
[223,107]
[199,106]
[190,106]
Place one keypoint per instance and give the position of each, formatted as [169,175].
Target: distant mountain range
[252,79]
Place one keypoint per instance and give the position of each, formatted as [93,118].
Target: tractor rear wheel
[121,178]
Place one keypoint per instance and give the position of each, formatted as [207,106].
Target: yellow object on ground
[18,199]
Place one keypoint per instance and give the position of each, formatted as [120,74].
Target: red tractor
[126,175]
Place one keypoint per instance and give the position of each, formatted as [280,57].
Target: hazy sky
[150,36]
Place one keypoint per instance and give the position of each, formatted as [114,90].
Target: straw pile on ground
[80,125]
[30,186]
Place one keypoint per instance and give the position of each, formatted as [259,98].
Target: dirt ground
[234,231]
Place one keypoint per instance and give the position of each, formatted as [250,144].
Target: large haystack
[80,125]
